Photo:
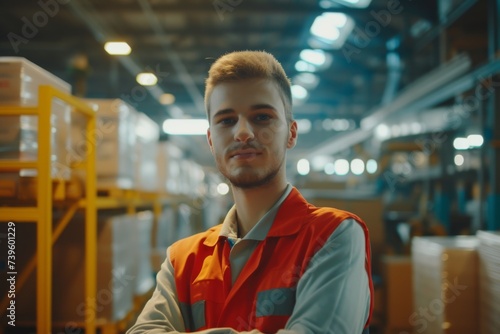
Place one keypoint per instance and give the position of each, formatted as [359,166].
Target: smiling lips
[245,154]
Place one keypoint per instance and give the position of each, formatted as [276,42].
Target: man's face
[248,133]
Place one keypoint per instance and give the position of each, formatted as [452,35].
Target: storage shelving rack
[41,213]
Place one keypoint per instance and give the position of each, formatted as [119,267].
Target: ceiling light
[117,48]
[302,66]
[371,166]
[357,166]
[382,132]
[354,3]
[461,143]
[303,167]
[303,126]
[475,140]
[315,57]
[167,99]
[341,167]
[329,169]
[299,92]
[330,30]
[306,80]
[459,160]
[319,162]
[185,126]
[222,188]
[146,79]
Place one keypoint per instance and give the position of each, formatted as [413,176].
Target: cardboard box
[20,80]
[115,271]
[445,285]
[489,276]
[398,288]
[113,140]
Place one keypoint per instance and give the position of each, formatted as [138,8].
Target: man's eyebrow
[223,112]
[262,106]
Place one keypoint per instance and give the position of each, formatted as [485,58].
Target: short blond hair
[242,65]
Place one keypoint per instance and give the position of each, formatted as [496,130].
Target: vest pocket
[275,302]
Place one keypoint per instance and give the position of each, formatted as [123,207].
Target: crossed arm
[332,296]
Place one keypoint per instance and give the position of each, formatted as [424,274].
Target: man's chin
[251,181]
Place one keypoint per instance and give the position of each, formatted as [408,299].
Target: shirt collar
[259,231]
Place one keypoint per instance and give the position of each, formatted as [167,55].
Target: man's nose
[243,131]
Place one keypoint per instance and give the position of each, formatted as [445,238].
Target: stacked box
[141,245]
[20,80]
[489,277]
[192,177]
[113,140]
[146,150]
[169,170]
[398,288]
[445,285]
[115,272]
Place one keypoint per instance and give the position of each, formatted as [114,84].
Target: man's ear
[292,135]
[209,140]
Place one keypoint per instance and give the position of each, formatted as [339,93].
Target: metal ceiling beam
[102,33]
[173,56]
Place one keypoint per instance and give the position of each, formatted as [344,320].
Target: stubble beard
[248,179]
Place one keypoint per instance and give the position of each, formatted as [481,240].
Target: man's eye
[263,117]
[227,121]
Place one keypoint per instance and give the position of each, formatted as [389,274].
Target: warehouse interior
[104,161]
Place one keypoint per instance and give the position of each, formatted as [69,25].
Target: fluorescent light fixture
[167,99]
[303,66]
[330,30]
[354,3]
[315,57]
[185,126]
[303,167]
[357,166]
[299,92]
[475,140]
[117,48]
[461,143]
[146,79]
[303,126]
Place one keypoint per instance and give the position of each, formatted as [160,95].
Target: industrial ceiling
[392,44]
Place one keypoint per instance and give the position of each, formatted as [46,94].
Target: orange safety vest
[263,295]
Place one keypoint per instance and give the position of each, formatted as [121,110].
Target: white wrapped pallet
[445,285]
[114,138]
[489,277]
[143,222]
[146,150]
[20,80]
[169,156]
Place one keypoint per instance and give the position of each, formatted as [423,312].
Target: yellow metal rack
[41,214]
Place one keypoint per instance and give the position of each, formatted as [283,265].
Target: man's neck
[252,204]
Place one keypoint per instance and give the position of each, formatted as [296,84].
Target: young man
[277,264]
